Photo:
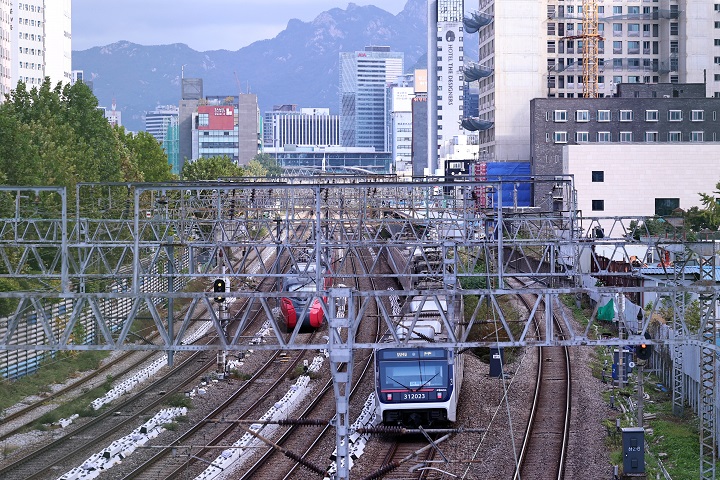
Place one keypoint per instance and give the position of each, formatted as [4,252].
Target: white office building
[536,50]
[402,131]
[161,120]
[450,77]
[308,126]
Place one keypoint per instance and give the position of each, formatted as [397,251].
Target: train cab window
[413,374]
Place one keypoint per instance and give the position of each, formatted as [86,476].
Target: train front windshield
[409,375]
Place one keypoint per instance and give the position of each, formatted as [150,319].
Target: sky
[201,24]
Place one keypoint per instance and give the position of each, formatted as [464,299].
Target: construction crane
[590,38]
[237,81]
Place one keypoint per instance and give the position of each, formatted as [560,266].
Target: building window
[675,115]
[582,137]
[560,115]
[674,28]
[651,115]
[560,137]
[674,137]
[626,137]
[697,115]
[203,119]
[626,115]
[582,116]
[604,137]
[603,116]
[665,206]
[598,205]
[696,136]
[598,176]
[651,136]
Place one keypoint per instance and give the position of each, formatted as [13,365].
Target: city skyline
[224,24]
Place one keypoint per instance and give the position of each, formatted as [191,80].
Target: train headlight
[439,395]
[389,397]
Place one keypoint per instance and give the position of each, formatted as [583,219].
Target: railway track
[72,448]
[201,440]
[309,441]
[408,457]
[76,445]
[23,417]
[544,448]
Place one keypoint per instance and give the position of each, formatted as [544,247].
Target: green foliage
[8,305]
[268,164]
[57,136]
[211,169]
[712,207]
[11,392]
[651,226]
[147,154]
[179,400]
[55,372]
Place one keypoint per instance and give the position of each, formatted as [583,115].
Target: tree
[269,163]
[147,154]
[57,136]
[712,207]
[254,169]
[211,168]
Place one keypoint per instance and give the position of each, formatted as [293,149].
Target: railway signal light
[644,350]
[219,287]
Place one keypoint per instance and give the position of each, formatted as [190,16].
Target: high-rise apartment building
[41,41]
[6,7]
[536,50]
[364,80]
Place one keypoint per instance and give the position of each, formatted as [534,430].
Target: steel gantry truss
[81,280]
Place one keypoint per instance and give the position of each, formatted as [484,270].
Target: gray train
[417,383]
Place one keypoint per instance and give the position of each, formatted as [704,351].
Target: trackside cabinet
[633,445]
[497,358]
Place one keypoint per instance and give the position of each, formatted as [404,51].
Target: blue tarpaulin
[519,174]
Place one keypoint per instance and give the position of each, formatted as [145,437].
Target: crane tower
[590,39]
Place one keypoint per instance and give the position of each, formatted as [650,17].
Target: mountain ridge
[298,66]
